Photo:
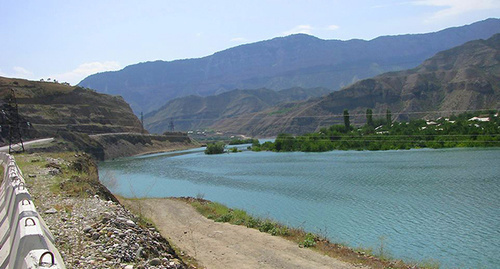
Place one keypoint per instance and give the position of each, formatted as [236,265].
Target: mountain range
[196,112]
[280,63]
[464,78]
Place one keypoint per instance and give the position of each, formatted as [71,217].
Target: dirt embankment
[129,144]
[222,245]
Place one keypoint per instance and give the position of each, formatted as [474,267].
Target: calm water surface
[425,204]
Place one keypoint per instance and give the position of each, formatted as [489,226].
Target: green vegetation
[242,141]
[76,176]
[309,241]
[234,150]
[215,148]
[464,130]
[221,213]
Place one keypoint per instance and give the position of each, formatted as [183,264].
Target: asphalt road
[28,144]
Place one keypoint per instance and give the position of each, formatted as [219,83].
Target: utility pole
[142,123]
[13,120]
[171,125]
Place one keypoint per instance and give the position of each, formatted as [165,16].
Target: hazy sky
[68,40]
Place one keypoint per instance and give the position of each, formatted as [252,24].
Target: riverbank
[223,245]
[92,229]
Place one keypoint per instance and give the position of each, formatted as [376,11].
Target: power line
[243,117]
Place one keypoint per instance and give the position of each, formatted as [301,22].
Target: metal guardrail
[25,240]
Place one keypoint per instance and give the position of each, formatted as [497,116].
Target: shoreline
[165,151]
[358,257]
[223,245]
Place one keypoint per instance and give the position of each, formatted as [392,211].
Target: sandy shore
[222,245]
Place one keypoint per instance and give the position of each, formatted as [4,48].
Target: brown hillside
[51,107]
[464,78]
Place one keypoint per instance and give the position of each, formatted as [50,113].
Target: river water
[441,205]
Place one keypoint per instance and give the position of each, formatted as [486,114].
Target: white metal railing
[25,240]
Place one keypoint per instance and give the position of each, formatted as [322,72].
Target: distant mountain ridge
[460,79]
[196,112]
[280,63]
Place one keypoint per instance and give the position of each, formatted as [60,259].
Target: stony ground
[90,231]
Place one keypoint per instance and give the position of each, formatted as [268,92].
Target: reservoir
[425,204]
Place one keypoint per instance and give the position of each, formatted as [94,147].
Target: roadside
[92,230]
[28,144]
[222,245]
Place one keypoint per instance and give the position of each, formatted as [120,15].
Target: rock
[54,171]
[140,252]
[51,211]
[130,223]
[96,236]
[128,267]
[87,229]
[31,175]
[155,261]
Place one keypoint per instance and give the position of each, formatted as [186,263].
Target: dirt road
[222,245]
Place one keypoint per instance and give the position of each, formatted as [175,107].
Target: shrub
[225,218]
[252,222]
[266,227]
[309,241]
[215,148]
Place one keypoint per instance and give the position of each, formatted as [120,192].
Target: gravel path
[222,245]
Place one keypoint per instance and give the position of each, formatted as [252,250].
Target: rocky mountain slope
[196,112]
[280,63]
[47,109]
[463,78]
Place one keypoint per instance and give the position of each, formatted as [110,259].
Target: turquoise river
[440,205]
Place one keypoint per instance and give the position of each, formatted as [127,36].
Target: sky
[68,40]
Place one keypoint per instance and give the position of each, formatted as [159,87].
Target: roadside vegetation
[76,176]
[477,129]
[378,258]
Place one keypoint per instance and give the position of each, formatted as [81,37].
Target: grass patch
[68,173]
[365,256]
[221,213]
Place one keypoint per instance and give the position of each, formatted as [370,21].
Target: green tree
[284,142]
[388,116]
[215,148]
[369,117]
[347,123]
